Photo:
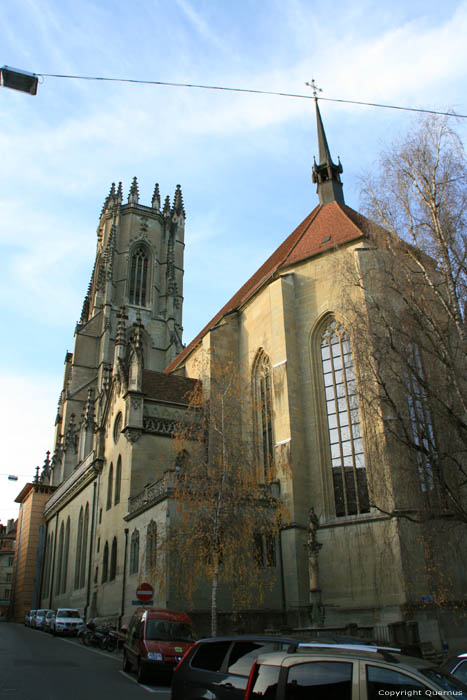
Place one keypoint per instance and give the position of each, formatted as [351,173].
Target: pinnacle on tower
[166,211]
[156,198]
[120,193]
[121,327]
[133,197]
[108,198]
[326,174]
[178,202]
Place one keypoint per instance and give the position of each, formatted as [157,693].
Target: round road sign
[144,592]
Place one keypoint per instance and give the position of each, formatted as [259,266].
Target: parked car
[39,618]
[49,620]
[156,641]
[66,621]
[348,673]
[457,665]
[28,617]
[32,618]
[218,666]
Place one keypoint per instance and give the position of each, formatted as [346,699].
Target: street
[37,666]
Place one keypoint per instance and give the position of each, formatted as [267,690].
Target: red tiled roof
[172,389]
[324,228]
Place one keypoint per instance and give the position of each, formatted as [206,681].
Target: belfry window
[344,426]
[138,277]
[263,412]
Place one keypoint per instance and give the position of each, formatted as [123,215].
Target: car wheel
[141,675]
[126,663]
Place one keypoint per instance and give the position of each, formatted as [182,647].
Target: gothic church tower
[131,318]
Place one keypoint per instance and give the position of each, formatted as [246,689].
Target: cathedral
[107,488]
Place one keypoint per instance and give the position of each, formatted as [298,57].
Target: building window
[110,486]
[82,577]
[113,560]
[10,561]
[134,552]
[151,546]
[262,407]
[6,594]
[118,481]
[105,563]
[138,277]
[8,578]
[66,549]
[421,421]
[59,560]
[344,425]
[79,539]
[117,427]
[265,550]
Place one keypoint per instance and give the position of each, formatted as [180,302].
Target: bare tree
[411,342]
[226,523]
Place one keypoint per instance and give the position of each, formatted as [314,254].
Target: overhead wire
[252,91]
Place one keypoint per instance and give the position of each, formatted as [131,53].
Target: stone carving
[133,434]
[159,426]
[135,402]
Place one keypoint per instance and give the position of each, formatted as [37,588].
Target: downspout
[122,609]
[52,576]
[91,550]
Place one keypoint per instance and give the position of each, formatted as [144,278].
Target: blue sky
[243,161]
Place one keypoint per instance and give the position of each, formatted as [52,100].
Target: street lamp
[18,80]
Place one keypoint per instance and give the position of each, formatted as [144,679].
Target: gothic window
[84,547]
[113,560]
[105,563]
[117,426]
[59,561]
[151,546]
[421,421]
[134,553]
[79,539]
[344,425]
[66,549]
[118,481]
[265,550]
[48,565]
[110,486]
[262,407]
[138,287]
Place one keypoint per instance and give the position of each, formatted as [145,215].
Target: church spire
[326,174]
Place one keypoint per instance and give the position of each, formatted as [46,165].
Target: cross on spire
[315,88]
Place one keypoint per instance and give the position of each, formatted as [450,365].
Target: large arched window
[421,420]
[262,407]
[134,552]
[84,546]
[48,565]
[58,582]
[66,549]
[105,563]
[110,486]
[344,425]
[151,547]
[118,481]
[113,560]
[138,285]
[79,539]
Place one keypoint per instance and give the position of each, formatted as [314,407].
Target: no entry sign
[144,592]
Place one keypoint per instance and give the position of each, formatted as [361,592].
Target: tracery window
[262,406]
[48,565]
[421,420]
[118,481]
[134,552]
[84,547]
[151,546]
[66,549]
[79,541]
[110,487]
[105,563]
[58,582]
[344,425]
[113,560]
[138,277]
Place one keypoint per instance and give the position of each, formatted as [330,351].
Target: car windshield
[164,630]
[68,613]
[447,682]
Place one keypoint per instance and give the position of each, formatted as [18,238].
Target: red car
[156,641]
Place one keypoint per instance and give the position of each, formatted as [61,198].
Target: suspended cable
[251,91]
